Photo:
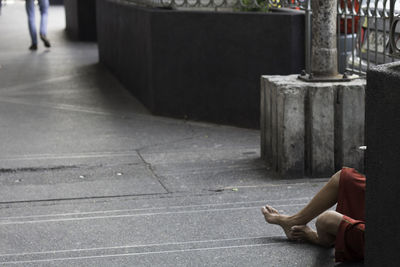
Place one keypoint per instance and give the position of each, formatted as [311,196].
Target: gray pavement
[89,178]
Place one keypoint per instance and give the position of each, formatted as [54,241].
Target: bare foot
[272,216]
[304,233]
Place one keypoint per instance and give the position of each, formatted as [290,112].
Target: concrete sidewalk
[89,178]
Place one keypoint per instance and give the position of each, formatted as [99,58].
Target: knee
[329,221]
[335,179]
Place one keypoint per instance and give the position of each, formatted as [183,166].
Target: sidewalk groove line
[217,169]
[117,114]
[71,156]
[273,185]
[140,246]
[159,208]
[58,107]
[30,85]
[81,198]
[138,215]
[140,253]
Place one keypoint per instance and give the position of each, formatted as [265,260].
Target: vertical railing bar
[308,36]
[392,7]
[368,32]
[339,14]
[394,4]
[384,30]
[376,30]
[352,34]
[346,12]
[393,15]
[360,36]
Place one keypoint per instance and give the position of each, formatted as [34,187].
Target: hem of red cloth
[340,246]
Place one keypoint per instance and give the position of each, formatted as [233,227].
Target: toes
[297,232]
[264,210]
[296,228]
[274,210]
[296,236]
[270,209]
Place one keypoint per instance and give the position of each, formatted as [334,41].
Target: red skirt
[350,241]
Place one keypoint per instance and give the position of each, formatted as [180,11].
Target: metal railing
[363,34]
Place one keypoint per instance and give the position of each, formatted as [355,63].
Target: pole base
[327,79]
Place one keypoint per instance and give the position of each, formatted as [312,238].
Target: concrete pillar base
[311,129]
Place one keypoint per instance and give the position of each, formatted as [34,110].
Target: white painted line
[138,246]
[139,253]
[138,215]
[156,208]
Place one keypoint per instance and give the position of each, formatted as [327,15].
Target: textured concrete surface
[311,129]
[89,178]
[383,146]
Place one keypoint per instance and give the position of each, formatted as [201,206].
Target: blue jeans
[30,11]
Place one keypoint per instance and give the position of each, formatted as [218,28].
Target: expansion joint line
[150,167]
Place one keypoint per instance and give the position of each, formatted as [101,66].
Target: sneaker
[33,47]
[45,40]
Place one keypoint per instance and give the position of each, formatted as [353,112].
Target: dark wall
[382,166]
[81,19]
[56,2]
[199,65]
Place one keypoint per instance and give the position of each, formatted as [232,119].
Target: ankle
[295,220]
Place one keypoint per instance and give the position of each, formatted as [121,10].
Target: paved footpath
[89,178]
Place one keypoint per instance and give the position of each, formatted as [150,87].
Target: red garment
[349,29]
[350,243]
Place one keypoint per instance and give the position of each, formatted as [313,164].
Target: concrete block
[263,122]
[349,123]
[291,131]
[311,129]
[273,126]
[284,127]
[382,165]
[320,129]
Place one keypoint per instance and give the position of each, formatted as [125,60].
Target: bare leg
[327,227]
[323,200]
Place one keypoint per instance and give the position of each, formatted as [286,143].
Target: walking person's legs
[30,11]
[44,7]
